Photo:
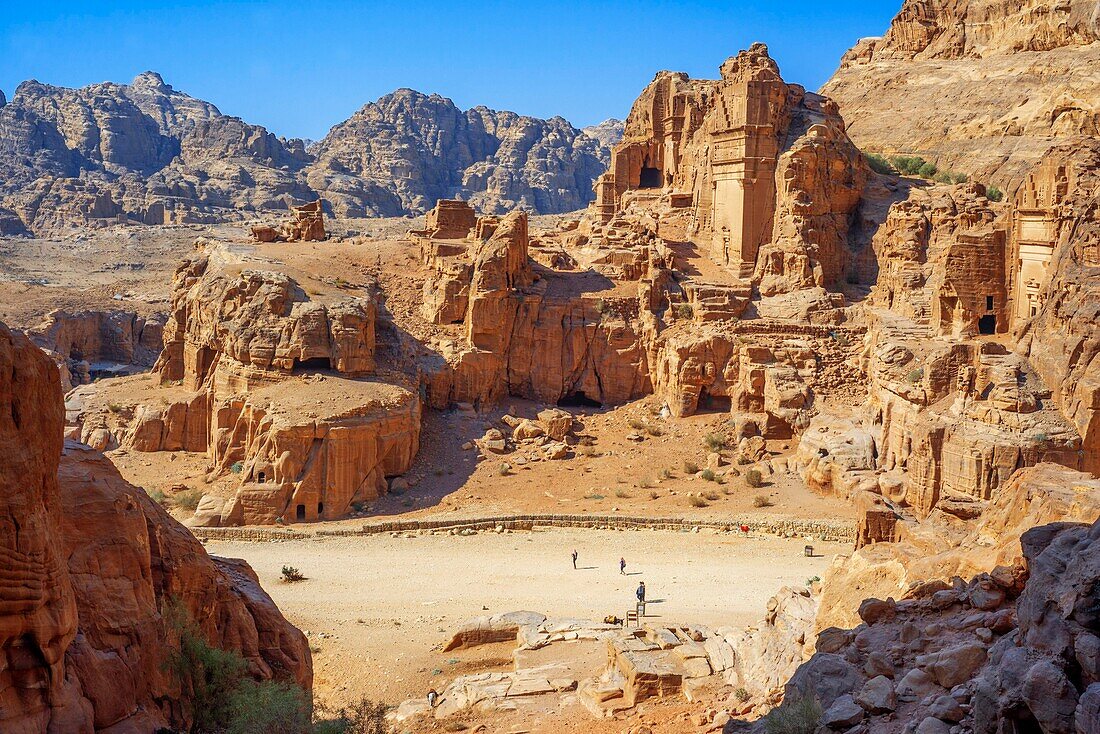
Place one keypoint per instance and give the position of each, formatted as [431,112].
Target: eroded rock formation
[91,566]
[981,87]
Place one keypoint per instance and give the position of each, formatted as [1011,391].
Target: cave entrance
[313,364]
[300,513]
[650,178]
[320,509]
[261,477]
[709,403]
[578,399]
[987,324]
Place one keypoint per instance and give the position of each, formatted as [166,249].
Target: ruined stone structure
[716,147]
[307,225]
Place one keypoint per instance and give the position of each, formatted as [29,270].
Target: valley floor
[377,609]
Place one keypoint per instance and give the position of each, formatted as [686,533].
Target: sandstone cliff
[146,152]
[91,564]
[982,87]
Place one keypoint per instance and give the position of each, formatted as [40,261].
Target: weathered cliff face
[1059,286]
[407,150]
[766,169]
[979,86]
[91,344]
[148,153]
[1013,649]
[275,391]
[92,564]
[251,327]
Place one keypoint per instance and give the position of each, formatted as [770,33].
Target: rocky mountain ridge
[147,152]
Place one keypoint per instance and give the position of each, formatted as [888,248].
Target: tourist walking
[574,559]
[622,566]
[640,593]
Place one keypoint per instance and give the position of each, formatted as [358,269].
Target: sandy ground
[375,607]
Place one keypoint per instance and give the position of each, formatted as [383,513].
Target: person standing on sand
[622,566]
[574,559]
[640,593]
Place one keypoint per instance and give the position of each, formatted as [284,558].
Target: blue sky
[301,67]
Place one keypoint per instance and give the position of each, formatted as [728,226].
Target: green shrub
[158,496]
[797,716]
[188,499]
[622,494]
[697,501]
[290,574]
[267,708]
[715,441]
[928,170]
[708,475]
[665,473]
[994,194]
[690,467]
[879,164]
[655,431]
[637,424]
[742,694]
[761,500]
[683,310]
[754,478]
[916,375]
[236,467]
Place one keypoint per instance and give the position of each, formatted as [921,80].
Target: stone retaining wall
[827,530]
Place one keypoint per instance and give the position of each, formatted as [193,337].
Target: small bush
[742,694]
[994,194]
[916,375]
[697,501]
[655,431]
[236,467]
[797,716]
[646,483]
[665,473]
[188,499]
[762,500]
[290,574]
[654,495]
[712,495]
[600,306]
[928,170]
[690,467]
[812,580]
[158,496]
[362,717]
[682,311]
[754,478]
[503,470]
[115,408]
[878,164]
[593,496]
[715,442]
[267,708]
[707,475]
[638,424]
[622,494]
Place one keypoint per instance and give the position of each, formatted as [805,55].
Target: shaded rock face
[1011,650]
[92,563]
[407,150]
[146,152]
[90,344]
[979,86]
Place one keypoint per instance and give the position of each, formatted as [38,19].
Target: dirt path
[375,607]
